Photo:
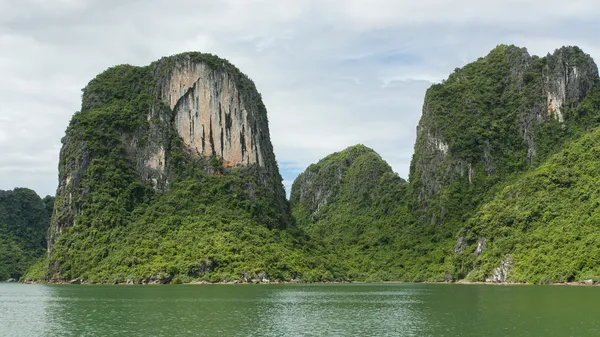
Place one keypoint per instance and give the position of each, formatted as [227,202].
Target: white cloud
[386,13]
[332,73]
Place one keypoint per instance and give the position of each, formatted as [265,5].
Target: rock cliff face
[567,78]
[496,116]
[155,125]
[212,117]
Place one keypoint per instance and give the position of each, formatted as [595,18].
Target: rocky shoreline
[10,280]
[582,283]
[157,282]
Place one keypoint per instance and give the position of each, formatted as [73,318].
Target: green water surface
[299,310]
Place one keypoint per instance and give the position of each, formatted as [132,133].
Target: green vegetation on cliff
[121,214]
[489,197]
[24,220]
[494,117]
[547,222]
[486,125]
[352,205]
[502,183]
[204,228]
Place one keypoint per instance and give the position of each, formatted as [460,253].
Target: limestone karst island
[167,175]
[299,168]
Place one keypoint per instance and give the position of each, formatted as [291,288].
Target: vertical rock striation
[211,116]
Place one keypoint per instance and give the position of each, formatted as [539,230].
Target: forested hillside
[24,221]
[167,174]
[501,180]
[351,204]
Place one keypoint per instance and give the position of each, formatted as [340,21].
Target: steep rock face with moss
[543,227]
[145,133]
[24,221]
[352,205]
[492,118]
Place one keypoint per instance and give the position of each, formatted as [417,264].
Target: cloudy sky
[333,73]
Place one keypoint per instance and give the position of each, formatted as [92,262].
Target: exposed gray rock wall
[501,273]
[211,116]
[568,77]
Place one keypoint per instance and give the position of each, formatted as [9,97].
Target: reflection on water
[27,311]
[288,310]
[360,311]
[298,310]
